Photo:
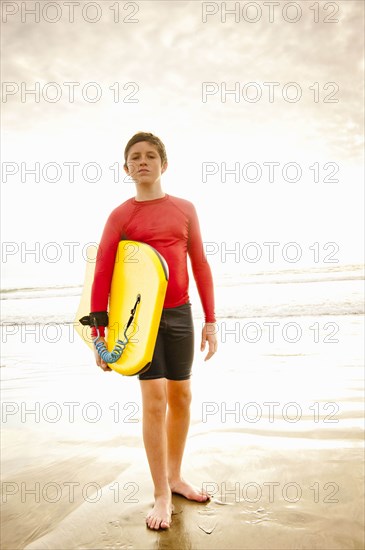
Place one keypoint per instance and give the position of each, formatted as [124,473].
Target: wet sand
[283,476]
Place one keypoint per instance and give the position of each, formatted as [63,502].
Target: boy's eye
[134,157]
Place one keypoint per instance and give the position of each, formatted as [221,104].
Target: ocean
[334,290]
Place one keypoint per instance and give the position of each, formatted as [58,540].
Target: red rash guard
[171,226]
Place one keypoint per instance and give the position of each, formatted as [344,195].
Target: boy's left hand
[209,335]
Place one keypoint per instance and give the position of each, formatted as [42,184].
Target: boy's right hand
[98,359]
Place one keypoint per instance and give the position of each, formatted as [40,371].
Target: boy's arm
[104,268]
[200,267]
[204,282]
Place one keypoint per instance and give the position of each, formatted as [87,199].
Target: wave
[288,276]
[289,293]
[26,293]
[311,275]
[310,310]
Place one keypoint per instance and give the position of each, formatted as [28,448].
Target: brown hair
[151,138]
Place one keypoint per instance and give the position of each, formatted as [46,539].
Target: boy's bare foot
[183,488]
[160,515]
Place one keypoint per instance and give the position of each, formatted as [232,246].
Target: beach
[258,112]
[276,432]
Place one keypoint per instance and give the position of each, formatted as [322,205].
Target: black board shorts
[174,349]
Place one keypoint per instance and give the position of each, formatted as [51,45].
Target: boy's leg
[177,426]
[154,401]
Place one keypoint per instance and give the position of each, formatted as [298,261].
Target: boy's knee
[155,405]
[180,399]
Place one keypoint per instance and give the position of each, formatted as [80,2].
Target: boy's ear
[164,167]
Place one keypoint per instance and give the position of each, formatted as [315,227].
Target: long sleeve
[201,269]
[104,267]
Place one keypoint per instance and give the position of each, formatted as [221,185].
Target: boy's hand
[99,360]
[209,335]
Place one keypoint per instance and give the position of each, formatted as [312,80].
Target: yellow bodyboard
[138,270]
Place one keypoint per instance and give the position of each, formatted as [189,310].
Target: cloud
[169,53]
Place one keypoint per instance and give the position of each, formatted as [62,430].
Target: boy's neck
[149,193]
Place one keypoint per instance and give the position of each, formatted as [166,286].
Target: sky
[149,71]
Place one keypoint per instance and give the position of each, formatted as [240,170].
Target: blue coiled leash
[120,345]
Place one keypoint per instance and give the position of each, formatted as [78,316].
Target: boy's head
[150,138]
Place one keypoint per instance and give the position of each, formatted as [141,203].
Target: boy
[171,226]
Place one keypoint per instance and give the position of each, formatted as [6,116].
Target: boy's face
[144,163]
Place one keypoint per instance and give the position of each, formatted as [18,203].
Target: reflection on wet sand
[282,476]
